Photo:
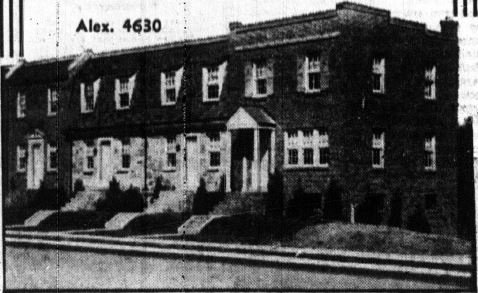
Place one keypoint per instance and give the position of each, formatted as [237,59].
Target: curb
[439,269]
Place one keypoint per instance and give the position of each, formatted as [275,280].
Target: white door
[36,163]
[192,163]
[105,163]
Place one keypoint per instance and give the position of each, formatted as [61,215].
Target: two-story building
[351,95]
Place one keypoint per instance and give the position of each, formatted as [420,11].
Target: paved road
[49,268]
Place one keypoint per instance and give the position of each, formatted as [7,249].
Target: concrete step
[196,224]
[171,201]
[121,220]
[37,218]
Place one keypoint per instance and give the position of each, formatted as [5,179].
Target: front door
[37,162]
[192,163]
[241,159]
[105,163]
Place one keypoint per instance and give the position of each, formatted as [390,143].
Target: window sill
[259,97]
[304,167]
[50,115]
[123,109]
[378,168]
[87,112]
[307,92]
[21,171]
[50,171]
[211,101]
[88,173]
[378,93]
[169,170]
[214,169]
[430,171]
[123,171]
[21,117]
[167,104]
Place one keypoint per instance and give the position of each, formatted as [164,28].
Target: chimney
[11,30]
[233,25]
[449,28]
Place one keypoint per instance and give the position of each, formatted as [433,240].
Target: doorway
[192,163]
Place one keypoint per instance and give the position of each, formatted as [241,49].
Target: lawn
[376,239]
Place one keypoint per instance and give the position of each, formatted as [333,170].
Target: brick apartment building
[350,95]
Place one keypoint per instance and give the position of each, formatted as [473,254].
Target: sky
[50,26]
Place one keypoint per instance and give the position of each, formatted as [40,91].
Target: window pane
[53,160]
[314,81]
[262,86]
[324,156]
[308,156]
[214,159]
[90,162]
[171,95]
[126,161]
[171,160]
[376,81]
[124,100]
[293,157]
[376,158]
[213,91]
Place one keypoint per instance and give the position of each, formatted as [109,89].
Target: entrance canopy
[250,117]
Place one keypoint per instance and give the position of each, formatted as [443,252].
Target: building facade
[351,95]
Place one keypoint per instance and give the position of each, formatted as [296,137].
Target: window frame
[52,148]
[378,143]
[302,141]
[214,146]
[430,81]
[308,71]
[89,153]
[125,151]
[430,149]
[21,107]
[212,82]
[171,149]
[22,154]
[168,86]
[50,101]
[123,89]
[380,69]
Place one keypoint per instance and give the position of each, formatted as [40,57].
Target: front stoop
[121,220]
[196,224]
[85,200]
[171,201]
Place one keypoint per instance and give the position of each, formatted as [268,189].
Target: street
[49,268]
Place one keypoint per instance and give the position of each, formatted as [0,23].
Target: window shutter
[49,100]
[117,90]
[249,80]
[222,76]
[270,76]
[131,84]
[301,73]
[324,68]
[82,97]
[434,87]
[163,87]
[204,84]
[96,89]
[177,80]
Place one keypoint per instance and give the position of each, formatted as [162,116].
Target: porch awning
[250,117]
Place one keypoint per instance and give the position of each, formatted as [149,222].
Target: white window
[214,150]
[89,163]
[312,74]
[171,153]
[430,153]
[89,93]
[213,79]
[378,149]
[52,101]
[259,78]
[21,159]
[430,80]
[21,105]
[125,153]
[170,86]
[306,148]
[124,92]
[378,75]
[52,157]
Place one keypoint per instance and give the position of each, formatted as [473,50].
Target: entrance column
[228,142]
[256,166]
